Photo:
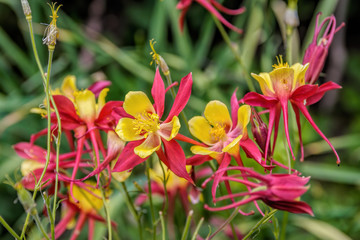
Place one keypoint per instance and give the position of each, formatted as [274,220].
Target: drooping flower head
[287,83]
[317,51]
[212,6]
[52,32]
[280,191]
[142,127]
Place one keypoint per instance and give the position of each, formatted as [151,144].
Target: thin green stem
[47,89]
[150,200]
[107,211]
[187,225]
[132,208]
[162,225]
[228,220]
[40,226]
[197,229]
[48,94]
[26,221]
[237,56]
[10,230]
[165,189]
[289,47]
[266,218]
[283,225]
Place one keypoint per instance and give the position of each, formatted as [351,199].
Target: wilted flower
[52,32]
[317,51]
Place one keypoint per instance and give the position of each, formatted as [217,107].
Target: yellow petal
[87,201]
[121,176]
[217,113]
[68,86]
[233,147]
[29,166]
[265,83]
[85,104]
[244,114]
[282,80]
[200,128]
[169,130]
[137,103]
[151,144]
[299,74]
[203,151]
[101,100]
[126,130]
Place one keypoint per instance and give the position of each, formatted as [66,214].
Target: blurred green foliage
[110,40]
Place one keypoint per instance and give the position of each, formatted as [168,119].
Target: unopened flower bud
[259,130]
[26,8]
[26,199]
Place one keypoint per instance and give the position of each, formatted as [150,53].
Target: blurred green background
[110,40]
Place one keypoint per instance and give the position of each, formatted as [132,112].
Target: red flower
[317,51]
[280,86]
[212,6]
[280,191]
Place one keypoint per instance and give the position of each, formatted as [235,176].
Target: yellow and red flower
[142,127]
[280,86]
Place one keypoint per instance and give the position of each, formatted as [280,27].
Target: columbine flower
[79,112]
[280,86]
[87,204]
[34,163]
[143,128]
[223,136]
[317,51]
[212,6]
[280,191]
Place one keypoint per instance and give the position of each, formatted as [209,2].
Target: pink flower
[280,191]
[317,51]
[212,6]
[34,163]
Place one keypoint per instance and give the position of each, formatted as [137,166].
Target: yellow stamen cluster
[280,63]
[218,132]
[146,123]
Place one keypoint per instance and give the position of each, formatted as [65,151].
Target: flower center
[146,123]
[218,132]
[280,63]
